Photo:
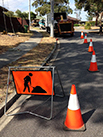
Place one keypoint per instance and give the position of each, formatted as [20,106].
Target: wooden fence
[14,23]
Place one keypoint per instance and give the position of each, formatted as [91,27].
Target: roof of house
[39,17]
[74,19]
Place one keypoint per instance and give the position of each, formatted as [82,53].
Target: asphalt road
[72,63]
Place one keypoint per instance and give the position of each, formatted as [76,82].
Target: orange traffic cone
[93,65]
[73,119]
[82,37]
[90,49]
[85,39]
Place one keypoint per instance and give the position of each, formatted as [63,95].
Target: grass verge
[34,57]
[11,40]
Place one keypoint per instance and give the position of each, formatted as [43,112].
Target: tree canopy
[9,13]
[21,14]
[25,15]
[33,15]
[93,7]
[43,6]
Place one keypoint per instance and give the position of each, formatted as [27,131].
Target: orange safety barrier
[74,119]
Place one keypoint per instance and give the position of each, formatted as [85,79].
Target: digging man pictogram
[27,80]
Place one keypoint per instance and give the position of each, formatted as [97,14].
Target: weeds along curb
[13,97]
[50,55]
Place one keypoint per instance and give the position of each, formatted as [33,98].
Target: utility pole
[3,3]
[29,13]
[52,19]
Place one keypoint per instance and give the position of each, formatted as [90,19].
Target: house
[76,21]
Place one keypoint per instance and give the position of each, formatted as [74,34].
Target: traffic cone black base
[83,128]
[93,71]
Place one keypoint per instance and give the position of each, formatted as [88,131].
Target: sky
[83,14]
[23,5]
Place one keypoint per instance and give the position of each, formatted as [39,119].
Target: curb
[50,55]
[13,97]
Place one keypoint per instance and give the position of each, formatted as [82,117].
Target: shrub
[92,23]
[87,25]
[76,25]
[82,24]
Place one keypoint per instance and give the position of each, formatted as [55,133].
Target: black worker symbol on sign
[27,80]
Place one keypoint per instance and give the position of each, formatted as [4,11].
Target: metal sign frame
[51,105]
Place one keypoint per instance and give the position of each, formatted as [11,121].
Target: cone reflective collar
[85,39]
[93,65]
[82,37]
[73,119]
[90,49]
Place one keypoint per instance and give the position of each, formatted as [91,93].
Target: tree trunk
[100,22]
[100,29]
[97,16]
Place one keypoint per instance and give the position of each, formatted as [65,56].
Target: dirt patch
[11,40]
[34,57]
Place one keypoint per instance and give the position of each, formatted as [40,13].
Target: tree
[93,7]
[89,17]
[78,13]
[20,14]
[43,6]
[33,15]
[25,15]
[9,13]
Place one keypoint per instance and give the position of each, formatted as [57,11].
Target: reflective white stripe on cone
[82,37]
[85,39]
